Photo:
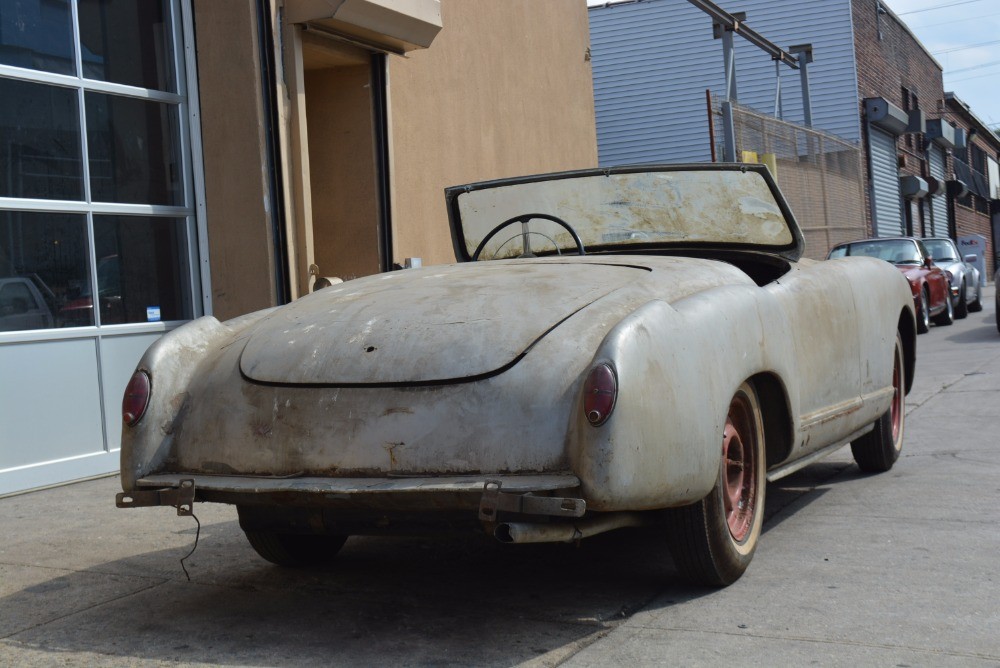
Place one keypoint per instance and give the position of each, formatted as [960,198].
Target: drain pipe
[528,532]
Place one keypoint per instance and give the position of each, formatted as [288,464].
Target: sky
[964,36]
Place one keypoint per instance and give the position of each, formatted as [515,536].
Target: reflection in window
[44,276]
[39,141]
[37,34]
[127,42]
[134,150]
[141,275]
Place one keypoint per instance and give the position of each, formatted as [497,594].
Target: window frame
[192,211]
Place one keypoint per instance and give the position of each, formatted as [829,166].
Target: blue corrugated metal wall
[653,60]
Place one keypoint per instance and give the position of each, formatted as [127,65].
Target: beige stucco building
[366,138]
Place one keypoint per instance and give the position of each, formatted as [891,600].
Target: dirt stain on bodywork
[179,406]
[391,449]
[218,468]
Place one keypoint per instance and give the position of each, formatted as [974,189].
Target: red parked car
[929,283]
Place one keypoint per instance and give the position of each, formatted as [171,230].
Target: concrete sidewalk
[895,569]
[888,570]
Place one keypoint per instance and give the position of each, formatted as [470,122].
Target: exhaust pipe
[563,532]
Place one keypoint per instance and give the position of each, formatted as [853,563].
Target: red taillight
[136,398]
[599,394]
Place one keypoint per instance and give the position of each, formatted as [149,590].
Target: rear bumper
[349,506]
[362,486]
[409,493]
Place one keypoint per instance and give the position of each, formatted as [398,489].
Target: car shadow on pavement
[791,494]
[453,600]
[460,600]
[986,333]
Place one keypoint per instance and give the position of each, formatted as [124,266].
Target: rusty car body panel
[410,391]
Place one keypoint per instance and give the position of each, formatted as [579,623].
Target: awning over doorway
[395,26]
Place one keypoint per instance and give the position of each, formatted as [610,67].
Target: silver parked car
[614,347]
[22,305]
[966,293]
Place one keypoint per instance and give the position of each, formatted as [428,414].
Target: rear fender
[677,368]
[171,363]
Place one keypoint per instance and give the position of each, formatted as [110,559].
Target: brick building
[977,167]
[894,67]
[940,149]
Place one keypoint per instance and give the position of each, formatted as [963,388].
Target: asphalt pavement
[897,569]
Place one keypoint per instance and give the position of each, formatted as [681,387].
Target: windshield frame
[888,242]
[792,251]
[948,242]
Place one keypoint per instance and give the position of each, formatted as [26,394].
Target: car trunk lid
[431,325]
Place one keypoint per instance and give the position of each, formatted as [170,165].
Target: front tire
[295,550]
[976,305]
[947,316]
[713,541]
[878,450]
[997,311]
[924,317]
[962,307]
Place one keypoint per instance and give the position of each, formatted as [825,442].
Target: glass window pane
[44,271]
[142,275]
[127,42]
[39,141]
[37,34]
[134,150]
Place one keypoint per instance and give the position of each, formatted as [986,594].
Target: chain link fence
[819,174]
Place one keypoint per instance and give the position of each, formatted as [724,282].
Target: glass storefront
[46,255]
[40,141]
[98,234]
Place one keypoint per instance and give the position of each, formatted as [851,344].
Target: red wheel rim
[739,450]
[897,399]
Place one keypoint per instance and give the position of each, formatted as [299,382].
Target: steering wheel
[526,234]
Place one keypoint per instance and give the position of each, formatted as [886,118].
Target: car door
[937,280]
[819,300]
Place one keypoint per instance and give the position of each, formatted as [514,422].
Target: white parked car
[966,292]
[614,347]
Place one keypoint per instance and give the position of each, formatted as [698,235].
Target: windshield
[941,250]
[896,251]
[611,210]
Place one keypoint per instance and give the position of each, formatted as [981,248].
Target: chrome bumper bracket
[494,500]
[181,498]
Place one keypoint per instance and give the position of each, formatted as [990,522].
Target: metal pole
[728,127]
[729,55]
[729,132]
[805,54]
[735,23]
[778,107]
[711,122]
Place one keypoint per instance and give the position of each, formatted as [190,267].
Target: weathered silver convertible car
[615,347]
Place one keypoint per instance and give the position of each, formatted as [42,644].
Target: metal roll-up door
[939,203]
[885,185]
